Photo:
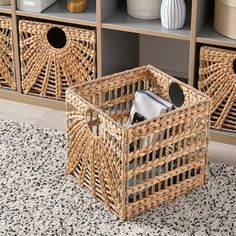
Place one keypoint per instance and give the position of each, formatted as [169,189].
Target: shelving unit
[124,42]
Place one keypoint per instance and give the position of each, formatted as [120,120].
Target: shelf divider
[192,47]
[99,37]
[16,49]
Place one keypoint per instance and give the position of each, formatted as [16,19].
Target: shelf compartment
[133,50]
[5,9]
[153,50]
[209,35]
[120,20]
[59,12]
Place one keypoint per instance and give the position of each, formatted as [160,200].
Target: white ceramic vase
[173,14]
[144,9]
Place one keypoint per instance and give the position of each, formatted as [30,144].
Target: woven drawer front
[7,73]
[120,165]
[217,79]
[55,57]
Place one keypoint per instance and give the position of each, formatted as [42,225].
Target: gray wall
[169,55]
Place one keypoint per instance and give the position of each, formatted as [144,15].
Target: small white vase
[173,14]
[144,9]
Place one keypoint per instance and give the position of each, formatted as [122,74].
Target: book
[147,105]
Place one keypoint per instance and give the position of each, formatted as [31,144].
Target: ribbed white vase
[144,9]
[173,14]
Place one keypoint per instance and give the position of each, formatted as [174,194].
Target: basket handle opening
[93,122]
[56,37]
[234,66]
[176,94]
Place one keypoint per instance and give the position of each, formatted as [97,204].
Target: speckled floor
[37,197]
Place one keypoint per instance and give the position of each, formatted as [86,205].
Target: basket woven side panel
[171,166]
[47,70]
[217,78]
[94,155]
[7,73]
[168,155]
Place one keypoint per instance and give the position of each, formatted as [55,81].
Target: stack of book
[147,105]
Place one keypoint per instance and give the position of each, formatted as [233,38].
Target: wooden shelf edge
[32,100]
[5,11]
[145,31]
[223,137]
[56,18]
[215,42]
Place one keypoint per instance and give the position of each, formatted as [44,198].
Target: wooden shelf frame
[120,41]
[6,9]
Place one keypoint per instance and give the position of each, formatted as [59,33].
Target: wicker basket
[54,57]
[109,159]
[217,78]
[7,72]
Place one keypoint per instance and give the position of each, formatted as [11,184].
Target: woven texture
[7,73]
[47,70]
[217,79]
[110,159]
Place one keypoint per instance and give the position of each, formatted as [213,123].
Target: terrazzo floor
[37,197]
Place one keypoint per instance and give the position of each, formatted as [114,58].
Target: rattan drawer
[7,71]
[55,57]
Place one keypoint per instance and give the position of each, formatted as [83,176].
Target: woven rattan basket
[7,72]
[107,157]
[217,79]
[55,57]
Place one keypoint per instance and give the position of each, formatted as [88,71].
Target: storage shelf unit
[124,42]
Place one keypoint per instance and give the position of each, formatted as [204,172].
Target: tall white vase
[144,9]
[173,14]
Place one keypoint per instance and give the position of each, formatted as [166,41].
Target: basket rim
[218,49]
[206,99]
[61,26]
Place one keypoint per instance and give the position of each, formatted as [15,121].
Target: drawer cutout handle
[93,122]
[234,66]
[56,37]
[176,94]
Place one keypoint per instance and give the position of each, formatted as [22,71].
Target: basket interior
[114,94]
